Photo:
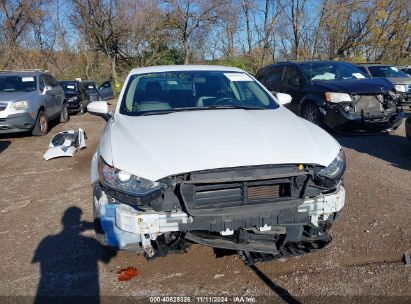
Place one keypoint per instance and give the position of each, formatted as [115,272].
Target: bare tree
[247,8]
[105,26]
[186,16]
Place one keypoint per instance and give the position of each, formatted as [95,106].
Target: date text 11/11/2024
[202,299]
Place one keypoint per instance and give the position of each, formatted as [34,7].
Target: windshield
[68,86]
[17,83]
[386,71]
[166,92]
[89,86]
[331,71]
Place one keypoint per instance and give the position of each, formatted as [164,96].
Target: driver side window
[42,82]
[291,77]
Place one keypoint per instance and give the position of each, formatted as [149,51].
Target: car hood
[157,146]
[357,86]
[400,80]
[13,96]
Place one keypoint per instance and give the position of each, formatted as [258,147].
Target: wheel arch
[311,98]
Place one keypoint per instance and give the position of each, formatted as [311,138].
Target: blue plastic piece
[114,236]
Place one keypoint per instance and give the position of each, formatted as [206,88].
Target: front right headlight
[19,105]
[337,97]
[126,183]
[400,88]
[331,175]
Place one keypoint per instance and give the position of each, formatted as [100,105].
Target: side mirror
[46,89]
[99,108]
[283,98]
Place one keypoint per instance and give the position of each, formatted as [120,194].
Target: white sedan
[205,154]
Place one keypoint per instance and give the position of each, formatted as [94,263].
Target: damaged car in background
[207,155]
[400,79]
[337,95]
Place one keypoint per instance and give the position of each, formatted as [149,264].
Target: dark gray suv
[29,99]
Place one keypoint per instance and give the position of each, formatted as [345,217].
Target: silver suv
[29,99]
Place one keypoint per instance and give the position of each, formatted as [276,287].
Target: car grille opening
[235,190]
[227,194]
[264,193]
[368,104]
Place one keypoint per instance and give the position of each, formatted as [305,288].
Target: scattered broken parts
[66,143]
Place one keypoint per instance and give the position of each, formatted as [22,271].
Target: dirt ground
[48,246]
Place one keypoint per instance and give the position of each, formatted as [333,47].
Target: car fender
[104,150]
[36,102]
[319,101]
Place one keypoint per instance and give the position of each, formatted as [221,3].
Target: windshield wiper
[212,107]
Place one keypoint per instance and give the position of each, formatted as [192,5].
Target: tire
[64,115]
[312,114]
[42,125]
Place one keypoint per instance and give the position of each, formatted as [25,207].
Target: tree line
[100,39]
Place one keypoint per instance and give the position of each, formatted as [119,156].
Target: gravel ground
[40,257]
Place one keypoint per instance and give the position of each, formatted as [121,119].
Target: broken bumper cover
[17,123]
[342,121]
[128,228]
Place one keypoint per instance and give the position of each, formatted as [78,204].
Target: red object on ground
[127,273]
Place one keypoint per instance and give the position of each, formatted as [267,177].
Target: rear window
[12,83]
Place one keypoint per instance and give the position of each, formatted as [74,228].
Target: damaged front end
[262,212]
[365,112]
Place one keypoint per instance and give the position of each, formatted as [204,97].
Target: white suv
[205,154]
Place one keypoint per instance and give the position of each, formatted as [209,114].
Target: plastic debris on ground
[66,143]
[127,274]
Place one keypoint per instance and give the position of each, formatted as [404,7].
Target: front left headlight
[19,105]
[126,183]
[331,175]
[400,88]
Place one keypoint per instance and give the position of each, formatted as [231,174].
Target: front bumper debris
[65,144]
[131,228]
[342,121]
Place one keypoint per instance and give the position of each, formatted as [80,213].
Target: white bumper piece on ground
[65,144]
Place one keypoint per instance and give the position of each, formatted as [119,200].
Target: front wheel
[64,116]
[42,125]
[312,113]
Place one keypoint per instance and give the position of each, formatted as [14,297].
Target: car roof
[375,64]
[177,68]
[297,62]
[20,73]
